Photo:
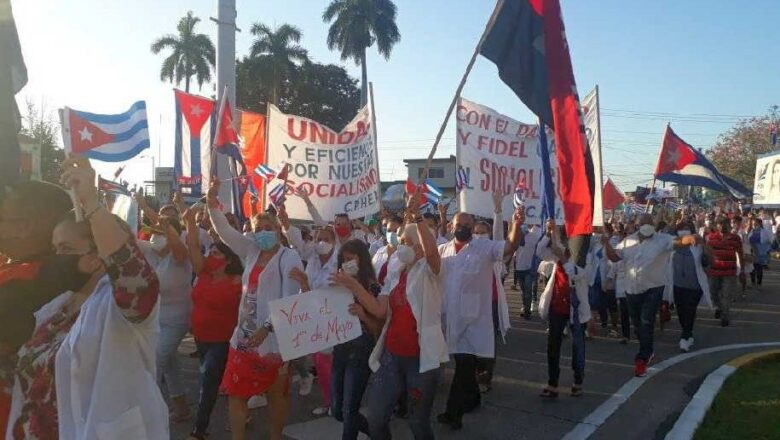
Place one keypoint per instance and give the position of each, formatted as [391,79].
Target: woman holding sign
[254,363]
[411,347]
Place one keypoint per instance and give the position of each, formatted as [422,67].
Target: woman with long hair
[254,363]
[216,296]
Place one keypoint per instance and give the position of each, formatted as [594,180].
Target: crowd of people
[95,312]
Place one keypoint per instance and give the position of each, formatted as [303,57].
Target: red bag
[560,303]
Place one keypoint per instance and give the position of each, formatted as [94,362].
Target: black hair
[234,266]
[395,218]
[342,215]
[366,275]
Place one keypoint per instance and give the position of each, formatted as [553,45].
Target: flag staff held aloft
[491,22]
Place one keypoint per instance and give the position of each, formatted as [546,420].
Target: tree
[192,54]
[358,24]
[276,55]
[322,92]
[43,128]
[735,151]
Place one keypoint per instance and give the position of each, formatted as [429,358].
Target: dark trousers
[527,281]
[554,341]
[213,358]
[757,276]
[349,378]
[485,366]
[464,391]
[686,301]
[625,318]
[608,308]
[643,307]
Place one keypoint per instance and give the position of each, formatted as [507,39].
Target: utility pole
[226,80]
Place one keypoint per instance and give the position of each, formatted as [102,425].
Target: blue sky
[688,62]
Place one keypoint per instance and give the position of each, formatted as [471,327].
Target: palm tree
[275,53]
[193,54]
[358,24]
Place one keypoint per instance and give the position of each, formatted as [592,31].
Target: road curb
[697,408]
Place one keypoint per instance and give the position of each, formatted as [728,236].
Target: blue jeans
[554,340]
[388,385]
[349,379]
[642,308]
[527,280]
[213,358]
[168,368]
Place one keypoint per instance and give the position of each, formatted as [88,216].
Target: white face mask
[350,267]
[324,248]
[683,232]
[158,242]
[405,254]
[481,237]
[646,231]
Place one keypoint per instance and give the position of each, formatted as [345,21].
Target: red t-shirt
[382,273]
[724,250]
[401,339]
[560,303]
[215,305]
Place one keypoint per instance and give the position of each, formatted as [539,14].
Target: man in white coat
[468,270]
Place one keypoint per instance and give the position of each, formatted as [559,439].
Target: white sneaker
[690,343]
[320,411]
[684,347]
[534,306]
[305,385]
[259,401]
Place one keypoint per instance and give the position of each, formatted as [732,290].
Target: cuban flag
[110,138]
[265,172]
[192,142]
[277,194]
[518,200]
[432,191]
[461,179]
[680,163]
[112,187]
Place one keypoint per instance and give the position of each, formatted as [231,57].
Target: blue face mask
[392,238]
[265,239]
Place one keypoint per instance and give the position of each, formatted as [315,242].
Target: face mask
[350,267]
[214,263]
[342,231]
[683,232]
[73,278]
[265,239]
[392,238]
[405,254]
[646,231]
[158,242]
[463,233]
[324,248]
[481,237]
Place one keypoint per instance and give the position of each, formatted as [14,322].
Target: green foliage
[734,154]
[276,55]
[192,54]
[40,125]
[322,92]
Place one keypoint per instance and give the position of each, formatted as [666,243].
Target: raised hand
[344,280]
[498,199]
[78,174]
[298,276]
[213,193]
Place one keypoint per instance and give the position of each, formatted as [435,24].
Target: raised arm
[177,247]
[443,219]
[146,210]
[315,215]
[424,234]
[234,239]
[193,241]
[612,255]
[135,284]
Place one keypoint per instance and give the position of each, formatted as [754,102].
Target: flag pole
[652,188]
[376,143]
[64,114]
[488,28]
[263,198]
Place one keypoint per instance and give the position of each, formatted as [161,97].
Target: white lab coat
[105,374]
[581,290]
[468,304]
[701,276]
[423,291]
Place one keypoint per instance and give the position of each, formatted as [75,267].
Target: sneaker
[717,313]
[566,331]
[613,334]
[588,336]
[320,411]
[259,401]
[650,359]
[534,306]
[445,418]
[306,385]
[640,368]
[527,315]
[690,343]
[684,347]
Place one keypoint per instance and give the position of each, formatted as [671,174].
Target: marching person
[381,259]
[646,255]
[727,252]
[760,240]
[524,271]
[564,303]
[687,284]
[342,225]
[215,300]
[88,371]
[254,364]
[411,347]
[746,265]
[469,268]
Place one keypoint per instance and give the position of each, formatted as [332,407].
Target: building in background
[162,185]
[442,174]
[29,158]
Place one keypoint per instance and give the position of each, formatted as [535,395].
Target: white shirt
[318,273]
[645,261]
[105,375]
[468,295]
[175,283]
[525,254]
